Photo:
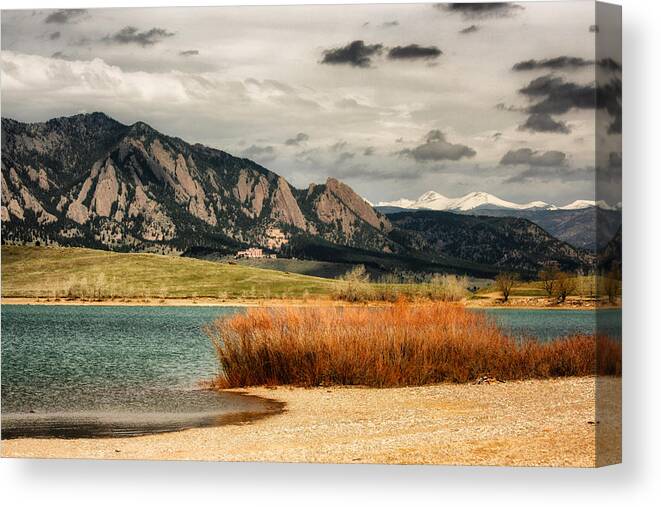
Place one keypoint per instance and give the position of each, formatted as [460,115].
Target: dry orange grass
[399,345]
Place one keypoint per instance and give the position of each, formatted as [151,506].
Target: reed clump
[398,345]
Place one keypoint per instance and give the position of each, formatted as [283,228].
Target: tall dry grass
[398,345]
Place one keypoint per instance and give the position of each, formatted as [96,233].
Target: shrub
[402,344]
[355,286]
[449,287]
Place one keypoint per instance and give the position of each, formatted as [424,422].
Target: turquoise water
[73,371]
[551,324]
[89,371]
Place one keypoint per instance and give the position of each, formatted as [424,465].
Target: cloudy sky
[393,99]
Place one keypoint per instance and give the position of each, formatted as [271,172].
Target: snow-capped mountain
[583,203]
[434,201]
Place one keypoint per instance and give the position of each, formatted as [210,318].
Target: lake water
[551,324]
[72,371]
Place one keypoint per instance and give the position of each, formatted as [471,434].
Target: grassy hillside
[301,266]
[95,274]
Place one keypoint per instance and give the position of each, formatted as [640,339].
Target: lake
[551,324]
[75,371]
[72,371]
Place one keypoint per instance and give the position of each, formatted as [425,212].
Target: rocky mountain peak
[357,204]
[91,181]
[98,182]
[140,128]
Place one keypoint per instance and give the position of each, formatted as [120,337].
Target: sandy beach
[523,303]
[199,301]
[527,423]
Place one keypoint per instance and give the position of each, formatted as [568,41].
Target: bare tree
[565,286]
[611,284]
[549,279]
[505,282]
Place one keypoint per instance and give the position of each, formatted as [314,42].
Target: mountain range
[584,224]
[88,180]
[482,200]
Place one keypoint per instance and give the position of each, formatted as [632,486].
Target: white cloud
[94,79]
[257,80]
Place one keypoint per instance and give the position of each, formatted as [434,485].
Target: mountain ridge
[88,180]
[433,200]
[130,184]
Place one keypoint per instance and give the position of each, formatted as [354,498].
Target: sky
[394,99]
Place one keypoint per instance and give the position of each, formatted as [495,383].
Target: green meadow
[81,273]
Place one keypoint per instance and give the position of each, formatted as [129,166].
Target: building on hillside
[275,238]
[250,253]
[253,253]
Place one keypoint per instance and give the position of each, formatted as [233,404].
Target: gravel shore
[527,423]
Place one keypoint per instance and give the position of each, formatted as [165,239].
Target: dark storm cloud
[132,35]
[610,64]
[54,35]
[301,137]
[481,10]
[469,29]
[64,16]
[561,174]
[436,148]
[558,96]
[609,97]
[526,156]
[189,52]
[542,122]
[261,154]
[356,54]
[413,52]
[566,62]
[560,62]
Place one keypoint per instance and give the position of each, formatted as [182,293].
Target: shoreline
[60,426]
[248,303]
[522,423]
